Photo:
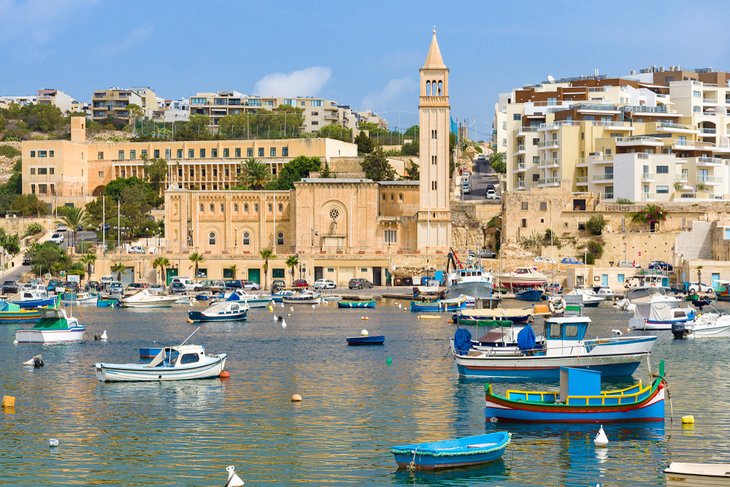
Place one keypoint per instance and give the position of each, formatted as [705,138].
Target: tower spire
[433,58]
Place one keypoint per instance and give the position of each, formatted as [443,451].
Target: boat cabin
[566,328]
[176,356]
[648,280]
[579,382]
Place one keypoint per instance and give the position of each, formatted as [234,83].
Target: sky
[362,54]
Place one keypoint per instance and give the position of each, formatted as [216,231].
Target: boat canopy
[661,311]
[570,328]
[52,319]
[526,338]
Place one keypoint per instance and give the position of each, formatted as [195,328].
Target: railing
[681,179]
[710,179]
[549,143]
[711,160]
[708,131]
[647,196]
[644,109]
[642,155]
[581,179]
[672,125]
[647,176]
[521,148]
[549,181]
[603,177]
[521,166]
[553,163]
[637,138]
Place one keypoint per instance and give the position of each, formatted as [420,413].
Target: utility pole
[119,227]
[103,223]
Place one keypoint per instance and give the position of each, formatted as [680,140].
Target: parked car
[491,194]
[661,265]
[189,284]
[301,283]
[61,228]
[359,283]
[94,285]
[10,287]
[543,259]
[491,186]
[699,287]
[571,260]
[56,238]
[55,286]
[71,286]
[626,263]
[251,286]
[277,285]
[136,286]
[26,260]
[214,285]
[157,288]
[135,249]
[177,288]
[233,284]
[486,254]
[116,287]
[324,284]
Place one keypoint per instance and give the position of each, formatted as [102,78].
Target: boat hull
[21,316]
[474,289]
[436,307]
[697,474]
[364,341]
[35,303]
[140,373]
[649,409]
[158,303]
[531,295]
[50,336]
[474,450]
[201,316]
[710,331]
[107,303]
[294,300]
[356,304]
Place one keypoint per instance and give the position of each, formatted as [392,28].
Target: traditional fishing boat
[54,326]
[303,297]
[660,313]
[579,400]
[369,303]
[279,296]
[439,305]
[697,474]
[145,299]
[34,298]
[107,302]
[179,362]
[471,280]
[221,311]
[11,313]
[460,452]
[565,345]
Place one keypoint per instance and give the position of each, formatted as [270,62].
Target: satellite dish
[550,78]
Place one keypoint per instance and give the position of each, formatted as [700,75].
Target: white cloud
[391,92]
[36,21]
[133,39]
[303,82]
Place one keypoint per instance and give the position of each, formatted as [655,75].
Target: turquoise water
[355,407]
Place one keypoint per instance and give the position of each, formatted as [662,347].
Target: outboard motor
[679,330]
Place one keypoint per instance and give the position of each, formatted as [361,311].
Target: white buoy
[276,317]
[283,324]
[104,336]
[15,342]
[314,306]
[601,438]
[364,332]
[53,442]
[282,304]
[233,479]
[36,361]
[617,332]
[288,314]
[291,308]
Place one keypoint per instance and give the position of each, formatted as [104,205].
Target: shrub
[9,151]
[624,201]
[33,229]
[595,224]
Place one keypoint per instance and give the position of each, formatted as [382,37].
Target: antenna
[550,78]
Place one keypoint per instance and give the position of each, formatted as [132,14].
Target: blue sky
[364,54]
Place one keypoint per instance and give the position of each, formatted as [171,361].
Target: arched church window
[280,238]
[211,238]
[440,89]
[428,88]
[246,238]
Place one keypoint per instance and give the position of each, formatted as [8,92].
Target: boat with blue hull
[439,306]
[529,295]
[11,313]
[365,340]
[459,452]
[369,304]
[564,345]
[579,400]
[31,298]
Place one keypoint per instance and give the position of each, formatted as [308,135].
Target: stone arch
[428,88]
[98,191]
[217,241]
[247,239]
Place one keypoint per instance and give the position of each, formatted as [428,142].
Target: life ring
[556,305]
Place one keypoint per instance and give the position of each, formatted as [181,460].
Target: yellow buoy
[8,401]
[688,419]
[296,398]
[364,318]
[189,320]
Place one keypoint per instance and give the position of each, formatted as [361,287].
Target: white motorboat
[472,280]
[54,327]
[522,277]
[181,362]
[34,298]
[708,325]
[660,313]
[605,293]
[697,474]
[565,345]
[82,297]
[145,299]
[229,310]
[586,296]
[304,297]
[252,300]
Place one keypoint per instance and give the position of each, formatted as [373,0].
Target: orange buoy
[224,374]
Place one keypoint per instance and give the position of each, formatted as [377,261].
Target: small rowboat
[366,340]
[356,304]
[690,474]
[461,452]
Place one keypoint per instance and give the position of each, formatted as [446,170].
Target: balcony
[548,164]
[708,132]
[581,180]
[549,182]
[520,186]
[601,160]
[549,144]
[710,180]
[521,167]
[675,128]
[521,148]
[581,162]
[647,176]
[638,140]
[704,161]
[647,196]
[527,130]
[606,178]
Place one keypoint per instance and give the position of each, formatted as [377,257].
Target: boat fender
[556,305]
[224,374]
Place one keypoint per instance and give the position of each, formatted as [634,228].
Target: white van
[189,284]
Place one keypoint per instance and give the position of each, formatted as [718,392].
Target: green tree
[43,118]
[325,173]
[266,254]
[364,143]
[28,205]
[496,160]
[118,268]
[337,132]
[88,259]
[155,172]
[9,242]
[412,133]
[596,224]
[292,262]
[161,263]
[196,258]
[254,174]
[413,172]
[294,170]
[47,257]
[376,166]
[409,149]
[73,218]
[33,229]
[651,214]
[234,271]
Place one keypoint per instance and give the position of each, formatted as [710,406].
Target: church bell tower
[434,212]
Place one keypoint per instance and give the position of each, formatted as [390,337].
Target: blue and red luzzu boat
[580,400]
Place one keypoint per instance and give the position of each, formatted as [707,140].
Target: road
[479,182]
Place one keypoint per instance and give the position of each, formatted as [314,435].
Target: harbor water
[357,403]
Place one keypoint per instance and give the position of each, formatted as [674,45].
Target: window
[315,122]
[662,189]
[261,152]
[202,153]
[662,169]
[434,160]
[245,207]
[32,153]
[191,153]
[179,153]
[226,152]
[32,170]
[543,206]
[400,196]
[523,224]
[189,358]
[144,153]
[316,103]
[223,207]
[256,207]
[192,172]
[279,273]
[246,238]
[249,152]
[53,171]
[281,207]
[120,155]
[280,238]
[535,141]
[620,278]
[100,156]
[391,236]
[168,154]
[32,188]
[284,152]
[43,188]
[516,116]
[156,153]
[215,172]
[51,153]
[392,196]
[536,159]
[571,331]
[535,177]
[212,207]
[42,171]
[434,134]
[384,197]
[235,207]
[214,153]
[211,238]
[272,152]
[238,152]
[434,185]
[525,206]
[270,207]
[101,174]
[581,225]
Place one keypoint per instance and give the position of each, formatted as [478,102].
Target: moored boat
[584,296]
[660,313]
[679,474]
[440,305]
[522,277]
[34,298]
[304,297]
[54,326]
[709,325]
[471,280]
[534,294]
[107,302]
[460,452]
[370,303]
[82,297]
[221,311]
[252,300]
[181,362]
[366,340]
[579,400]
[145,299]
[11,313]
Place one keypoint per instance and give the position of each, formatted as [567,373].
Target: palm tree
[292,262]
[73,218]
[266,254]
[254,174]
[234,270]
[196,258]
[163,263]
[88,260]
[118,268]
